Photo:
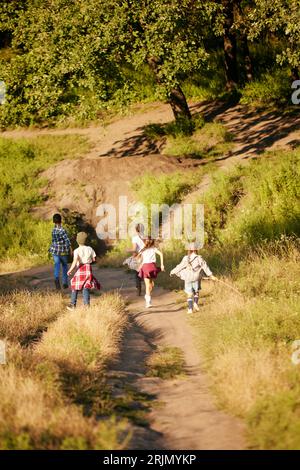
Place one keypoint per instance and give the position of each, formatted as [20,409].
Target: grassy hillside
[252,229]
[24,240]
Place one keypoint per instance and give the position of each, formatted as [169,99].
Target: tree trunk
[295,74]
[230,45]
[177,99]
[179,104]
[247,57]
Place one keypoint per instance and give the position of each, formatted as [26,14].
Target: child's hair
[57,219]
[149,243]
[139,228]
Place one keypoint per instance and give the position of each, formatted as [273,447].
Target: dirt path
[183,414]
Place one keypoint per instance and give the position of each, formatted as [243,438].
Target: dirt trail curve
[183,414]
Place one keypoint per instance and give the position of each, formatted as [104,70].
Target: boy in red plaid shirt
[83,278]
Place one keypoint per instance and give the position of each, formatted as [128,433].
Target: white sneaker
[190,310]
[148,301]
[196,307]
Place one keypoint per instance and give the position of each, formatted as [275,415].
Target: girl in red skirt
[149,270]
[83,279]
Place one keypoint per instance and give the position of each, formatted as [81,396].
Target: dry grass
[19,263]
[166,362]
[247,344]
[24,314]
[35,411]
[34,417]
[86,339]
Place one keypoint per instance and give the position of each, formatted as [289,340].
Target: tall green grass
[211,141]
[194,138]
[22,236]
[255,203]
[271,88]
[164,189]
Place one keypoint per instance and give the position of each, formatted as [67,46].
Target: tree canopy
[58,56]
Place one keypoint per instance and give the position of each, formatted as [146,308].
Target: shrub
[212,140]
[270,88]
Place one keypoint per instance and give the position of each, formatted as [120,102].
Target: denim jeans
[61,260]
[85,295]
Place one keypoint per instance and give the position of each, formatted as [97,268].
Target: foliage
[213,140]
[270,88]
[60,63]
[279,17]
[169,36]
[230,218]
[66,61]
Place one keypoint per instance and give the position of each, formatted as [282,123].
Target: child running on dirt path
[149,270]
[190,270]
[83,279]
[133,262]
[60,249]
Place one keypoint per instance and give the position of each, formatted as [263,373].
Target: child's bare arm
[72,265]
[161,259]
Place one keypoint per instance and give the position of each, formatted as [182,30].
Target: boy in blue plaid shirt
[60,249]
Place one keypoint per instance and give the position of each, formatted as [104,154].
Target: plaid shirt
[60,242]
[84,278]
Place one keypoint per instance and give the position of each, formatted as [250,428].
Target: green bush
[272,87]
[209,140]
[180,128]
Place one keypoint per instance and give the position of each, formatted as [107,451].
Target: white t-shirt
[137,240]
[84,255]
[149,255]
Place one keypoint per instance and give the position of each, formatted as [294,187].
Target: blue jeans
[85,295]
[61,260]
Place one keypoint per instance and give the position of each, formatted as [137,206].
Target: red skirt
[84,278]
[149,271]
